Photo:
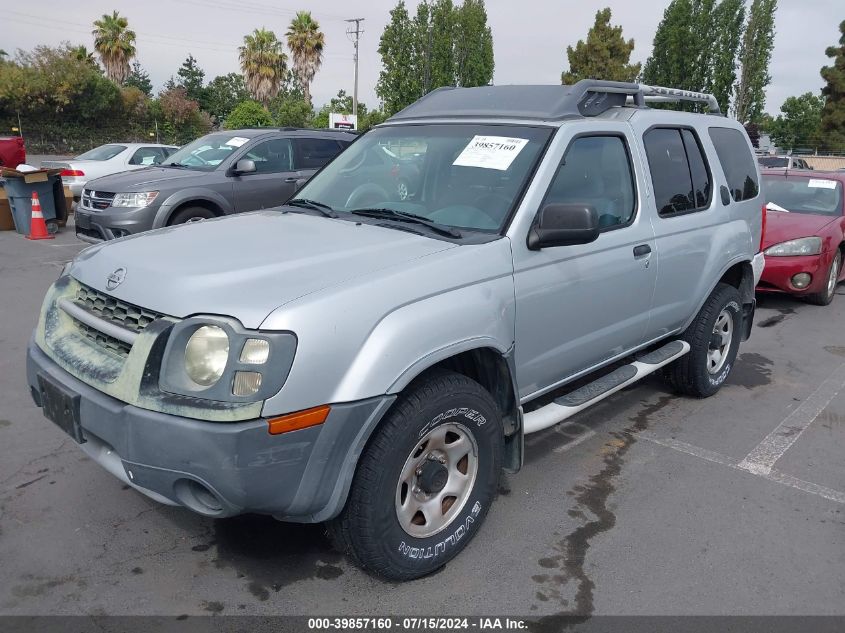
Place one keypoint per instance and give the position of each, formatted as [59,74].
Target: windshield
[774,161]
[103,152]
[206,153]
[464,176]
[804,195]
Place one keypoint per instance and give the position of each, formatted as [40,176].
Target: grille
[97,200]
[104,340]
[115,311]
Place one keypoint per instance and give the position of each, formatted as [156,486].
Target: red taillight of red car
[72,172]
[763,227]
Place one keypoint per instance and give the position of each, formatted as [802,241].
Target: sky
[530,37]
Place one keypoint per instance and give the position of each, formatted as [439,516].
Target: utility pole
[356,34]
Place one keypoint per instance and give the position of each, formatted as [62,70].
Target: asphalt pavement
[647,504]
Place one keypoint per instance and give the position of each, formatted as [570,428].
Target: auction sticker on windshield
[237,141]
[818,183]
[490,152]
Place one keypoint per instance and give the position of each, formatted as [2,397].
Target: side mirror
[244,166]
[564,225]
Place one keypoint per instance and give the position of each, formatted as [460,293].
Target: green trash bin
[20,193]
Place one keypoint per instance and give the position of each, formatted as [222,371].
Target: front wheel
[425,481]
[714,338]
[825,297]
[191,214]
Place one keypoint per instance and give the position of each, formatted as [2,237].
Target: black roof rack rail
[586,98]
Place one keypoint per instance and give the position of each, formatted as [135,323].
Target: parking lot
[644,504]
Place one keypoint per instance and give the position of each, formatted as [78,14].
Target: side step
[568,405]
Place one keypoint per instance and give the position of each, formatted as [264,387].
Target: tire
[701,372]
[824,297]
[191,214]
[379,528]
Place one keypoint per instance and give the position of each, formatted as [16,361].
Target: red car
[12,152]
[804,237]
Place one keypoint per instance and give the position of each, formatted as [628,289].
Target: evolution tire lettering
[450,541]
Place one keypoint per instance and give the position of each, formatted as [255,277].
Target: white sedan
[106,160]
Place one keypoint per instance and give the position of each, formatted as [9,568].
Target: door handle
[642,250]
[292,179]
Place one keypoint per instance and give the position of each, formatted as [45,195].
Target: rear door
[312,153]
[687,218]
[274,179]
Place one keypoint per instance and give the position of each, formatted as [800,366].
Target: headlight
[801,246]
[206,355]
[134,200]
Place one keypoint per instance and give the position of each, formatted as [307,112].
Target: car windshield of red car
[804,195]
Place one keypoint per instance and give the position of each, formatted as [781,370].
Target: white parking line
[724,460]
[761,460]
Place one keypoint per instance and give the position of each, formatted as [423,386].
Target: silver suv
[373,358]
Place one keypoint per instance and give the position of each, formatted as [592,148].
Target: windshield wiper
[402,216]
[177,165]
[305,203]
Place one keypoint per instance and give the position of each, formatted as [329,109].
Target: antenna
[355,35]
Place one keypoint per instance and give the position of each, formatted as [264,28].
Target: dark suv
[218,174]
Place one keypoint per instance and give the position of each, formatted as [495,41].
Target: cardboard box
[6,221]
[39,175]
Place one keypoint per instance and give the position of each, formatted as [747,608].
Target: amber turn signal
[299,420]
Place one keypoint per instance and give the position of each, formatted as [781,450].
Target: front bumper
[96,226]
[218,468]
[778,273]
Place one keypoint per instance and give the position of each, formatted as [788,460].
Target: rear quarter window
[737,162]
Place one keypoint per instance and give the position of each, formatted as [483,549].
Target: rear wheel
[191,214]
[425,481]
[824,297]
[714,338]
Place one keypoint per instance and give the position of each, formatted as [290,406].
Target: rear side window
[596,171]
[313,153]
[737,162]
[679,171]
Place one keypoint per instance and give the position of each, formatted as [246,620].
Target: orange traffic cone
[37,226]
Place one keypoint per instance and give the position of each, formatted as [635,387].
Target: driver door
[580,306]
[274,180]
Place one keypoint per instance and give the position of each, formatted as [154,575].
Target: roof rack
[587,98]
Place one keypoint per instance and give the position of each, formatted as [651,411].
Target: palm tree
[263,64]
[115,44]
[82,54]
[305,41]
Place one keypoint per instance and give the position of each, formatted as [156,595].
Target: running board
[568,405]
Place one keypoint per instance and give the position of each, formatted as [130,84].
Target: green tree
[290,111]
[604,55]
[115,44]
[248,114]
[223,93]
[263,63]
[399,81]
[140,79]
[192,79]
[729,18]
[798,125]
[754,56]
[682,57]
[833,114]
[441,52]
[181,118]
[305,41]
[474,45]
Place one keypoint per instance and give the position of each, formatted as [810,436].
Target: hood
[142,179]
[782,226]
[245,266]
